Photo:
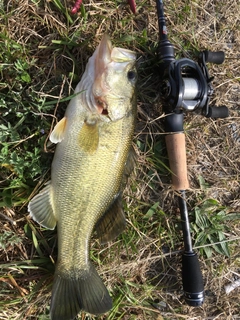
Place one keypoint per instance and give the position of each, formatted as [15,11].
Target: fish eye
[131,75]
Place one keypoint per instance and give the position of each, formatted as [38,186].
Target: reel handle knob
[214,56]
[218,112]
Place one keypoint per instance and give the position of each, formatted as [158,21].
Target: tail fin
[85,291]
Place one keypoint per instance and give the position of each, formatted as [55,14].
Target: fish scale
[95,204]
[89,167]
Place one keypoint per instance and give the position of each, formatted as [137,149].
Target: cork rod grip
[176,149]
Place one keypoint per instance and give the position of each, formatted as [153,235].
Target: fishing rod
[185,86]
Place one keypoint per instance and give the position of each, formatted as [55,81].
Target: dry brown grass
[142,269]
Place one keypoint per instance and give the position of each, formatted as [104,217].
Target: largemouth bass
[91,159]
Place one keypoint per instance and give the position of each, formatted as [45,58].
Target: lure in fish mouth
[92,159]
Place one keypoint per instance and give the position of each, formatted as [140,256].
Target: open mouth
[102,107]
[105,112]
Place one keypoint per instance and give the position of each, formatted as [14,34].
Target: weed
[210,227]
[8,238]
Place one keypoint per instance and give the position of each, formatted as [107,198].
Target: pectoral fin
[88,138]
[112,223]
[57,134]
[41,210]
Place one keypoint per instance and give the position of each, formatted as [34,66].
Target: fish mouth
[98,89]
[107,57]
[105,112]
[101,106]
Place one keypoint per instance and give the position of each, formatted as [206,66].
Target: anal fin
[41,210]
[112,223]
[129,165]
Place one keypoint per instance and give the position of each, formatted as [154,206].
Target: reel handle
[192,280]
[176,149]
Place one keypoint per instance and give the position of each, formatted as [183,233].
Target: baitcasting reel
[186,86]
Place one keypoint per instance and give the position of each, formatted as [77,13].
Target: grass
[43,53]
